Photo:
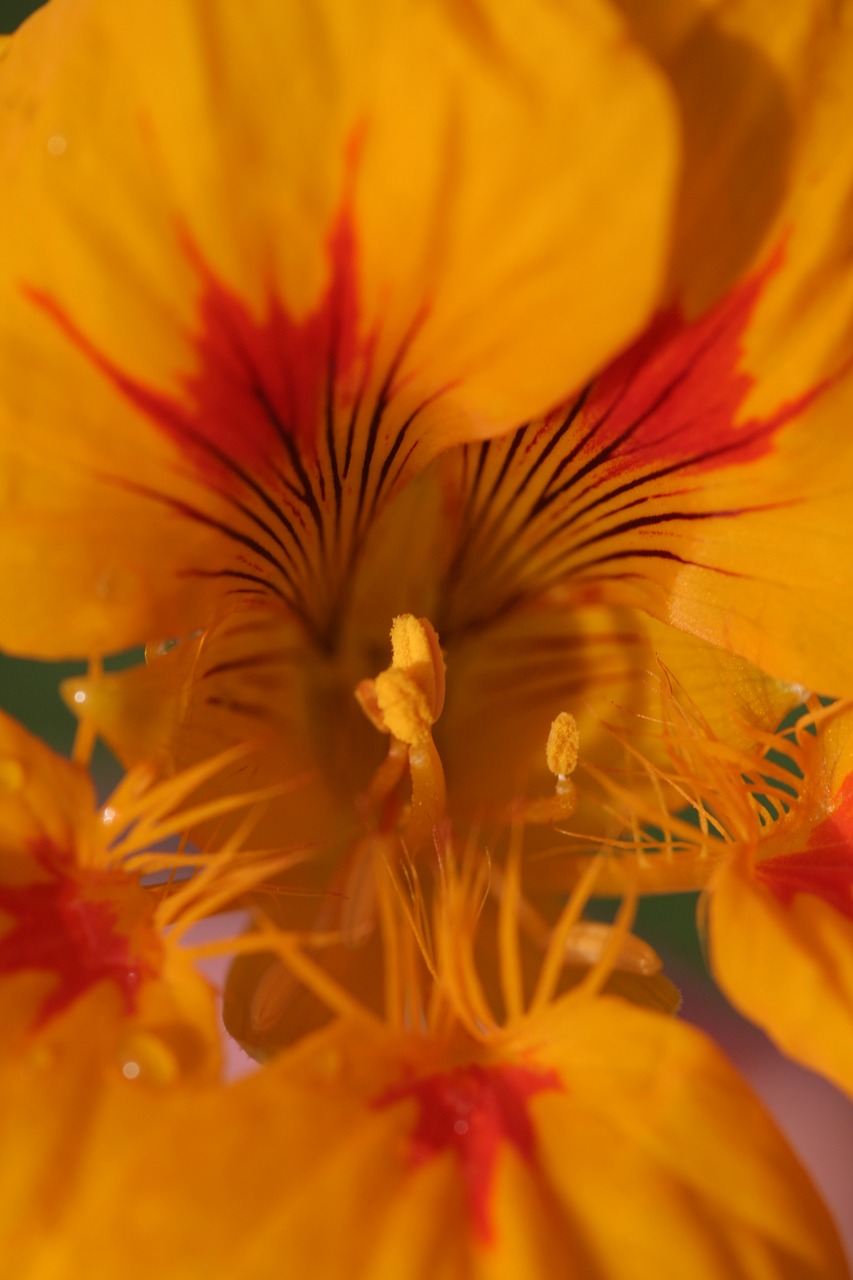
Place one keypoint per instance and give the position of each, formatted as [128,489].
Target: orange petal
[76,926]
[620,1142]
[780,924]
[741,144]
[663,487]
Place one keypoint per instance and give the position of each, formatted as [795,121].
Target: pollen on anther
[561,752]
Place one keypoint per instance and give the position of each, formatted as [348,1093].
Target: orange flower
[789,891]
[83,941]
[492,324]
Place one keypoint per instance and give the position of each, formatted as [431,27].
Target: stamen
[412,903]
[405,701]
[509,952]
[586,940]
[614,946]
[555,955]
[457,911]
[394,966]
[561,752]
[561,756]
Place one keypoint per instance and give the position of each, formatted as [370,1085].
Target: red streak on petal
[256,380]
[472,1111]
[57,930]
[824,868]
[676,393]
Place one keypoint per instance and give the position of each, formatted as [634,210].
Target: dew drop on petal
[130,1070]
[57,145]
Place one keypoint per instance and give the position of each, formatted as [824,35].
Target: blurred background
[817,1118]
[13,12]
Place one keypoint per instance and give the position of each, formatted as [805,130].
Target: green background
[13,12]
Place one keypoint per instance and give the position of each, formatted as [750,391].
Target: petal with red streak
[202,392]
[781,935]
[364,1164]
[662,487]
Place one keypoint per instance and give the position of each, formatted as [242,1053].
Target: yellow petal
[204,394]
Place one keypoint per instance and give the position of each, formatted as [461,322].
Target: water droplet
[57,145]
[460,1127]
[146,1055]
[159,648]
[108,814]
[80,695]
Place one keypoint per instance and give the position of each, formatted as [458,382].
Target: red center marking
[824,868]
[676,393]
[473,1111]
[57,930]
[258,383]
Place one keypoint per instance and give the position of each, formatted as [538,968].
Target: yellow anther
[415,650]
[405,701]
[561,753]
[405,709]
[407,698]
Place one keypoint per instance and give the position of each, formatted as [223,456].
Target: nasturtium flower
[75,920]
[87,937]
[780,915]
[492,326]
